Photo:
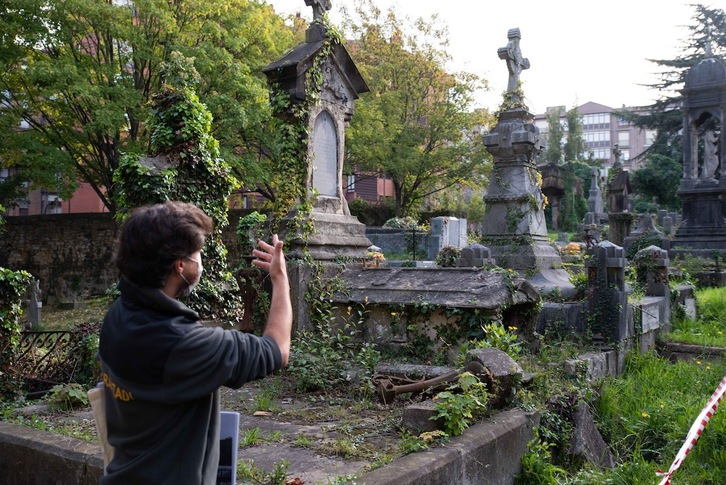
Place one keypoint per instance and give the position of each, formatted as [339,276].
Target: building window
[597,136]
[601,154]
[625,155]
[650,137]
[351,183]
[596,121]
[623,122]
[623,138]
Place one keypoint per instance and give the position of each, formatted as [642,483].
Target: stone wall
[30,455]
[71,254]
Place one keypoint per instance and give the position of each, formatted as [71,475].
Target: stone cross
[319,7]
[515,62]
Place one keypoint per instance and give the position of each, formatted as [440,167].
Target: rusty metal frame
[47,358]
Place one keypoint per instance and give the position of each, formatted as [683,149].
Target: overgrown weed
[710,327]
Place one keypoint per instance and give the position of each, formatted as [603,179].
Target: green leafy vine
[293,197]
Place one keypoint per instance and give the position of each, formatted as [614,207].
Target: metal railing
[47,358]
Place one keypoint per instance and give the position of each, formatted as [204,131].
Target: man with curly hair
[162,369]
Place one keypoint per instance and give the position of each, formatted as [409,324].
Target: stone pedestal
[514,224]
[334,236]
[703,228]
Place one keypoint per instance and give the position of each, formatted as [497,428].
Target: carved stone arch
[702,121]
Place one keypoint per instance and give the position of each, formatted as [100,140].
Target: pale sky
[579,50]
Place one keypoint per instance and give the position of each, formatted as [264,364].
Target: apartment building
[603,130]
[43,202]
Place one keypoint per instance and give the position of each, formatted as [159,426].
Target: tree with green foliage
[575,146]
[416,125]
[80,75]
[665,116]
[555,134]
[573,203]
[467,204]
[659,180]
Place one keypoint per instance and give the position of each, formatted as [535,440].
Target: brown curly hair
[155,236]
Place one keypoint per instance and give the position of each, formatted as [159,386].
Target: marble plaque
[325,156]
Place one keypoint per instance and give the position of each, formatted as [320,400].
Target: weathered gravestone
[446,231]
[34,303]
[320,75]
[607,298]
[620,216]
[336,233]
[586,441]
[594,213]
[514,225]
[651,268]
[475,256]
[646,231]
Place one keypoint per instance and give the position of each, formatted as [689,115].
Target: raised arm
[271,258]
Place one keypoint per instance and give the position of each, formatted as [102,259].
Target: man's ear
[178,265]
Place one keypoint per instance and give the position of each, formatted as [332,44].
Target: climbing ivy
[512,100]
[184,164]
[250,229]
[12,287]
[292,181]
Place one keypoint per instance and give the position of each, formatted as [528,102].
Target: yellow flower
[645,415]
[512,329]
[662,406]
[393,314]
[698,362]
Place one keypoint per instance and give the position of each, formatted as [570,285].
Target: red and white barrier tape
[695,432]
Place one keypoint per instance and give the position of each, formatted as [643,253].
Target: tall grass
[712,304]
[646,414]
[710,328]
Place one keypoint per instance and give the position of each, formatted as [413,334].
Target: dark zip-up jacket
[162,370]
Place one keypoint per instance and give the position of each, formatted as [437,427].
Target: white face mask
[190,286]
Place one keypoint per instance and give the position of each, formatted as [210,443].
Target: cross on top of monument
[319,7]
[515,62]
